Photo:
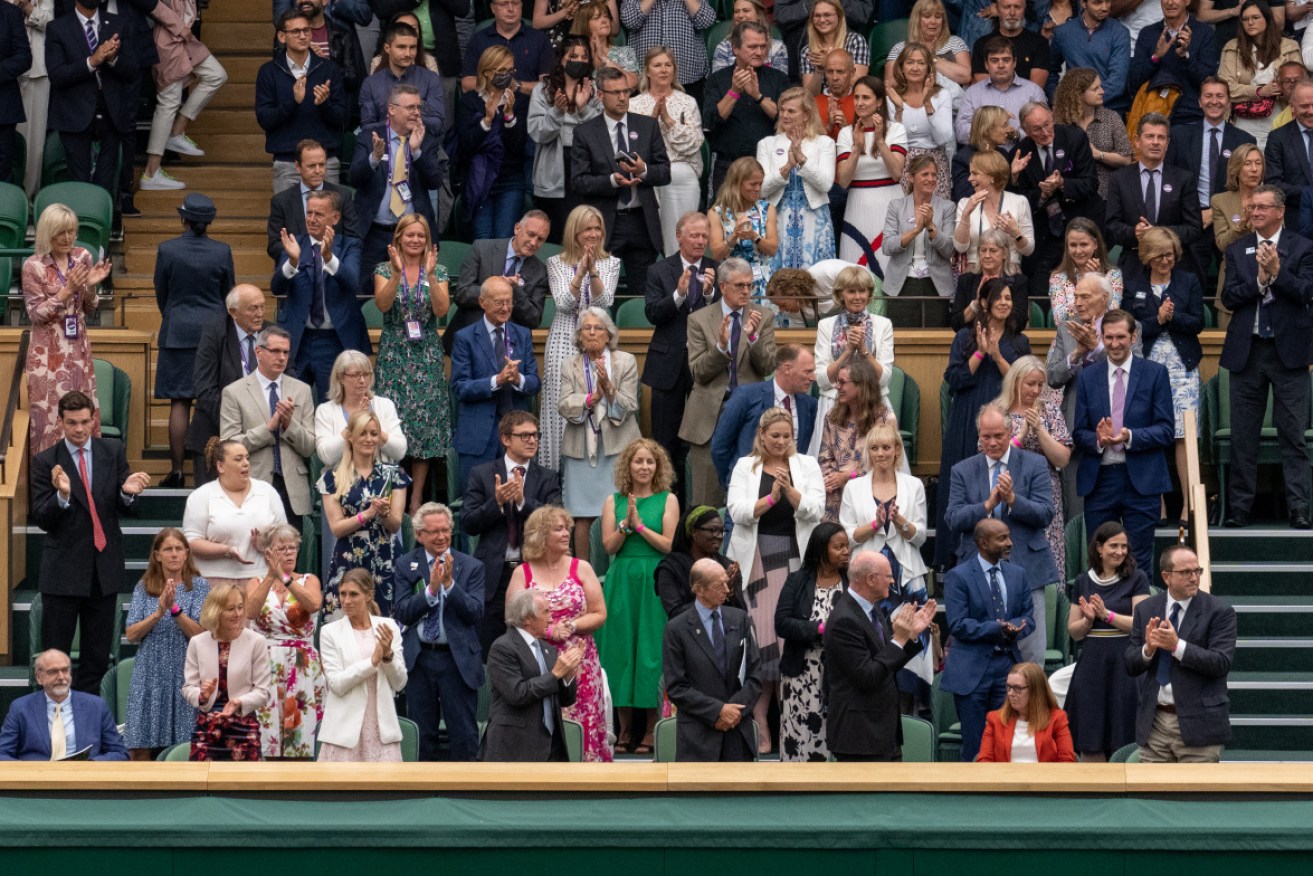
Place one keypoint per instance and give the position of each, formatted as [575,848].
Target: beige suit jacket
[244,416]
[710,367]
[618,419]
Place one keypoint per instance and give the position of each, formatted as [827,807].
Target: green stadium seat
[1057,639]
[92,204]
[574,740]
[948,732]
[409,740]
[918,740]
[1077,547]
[1036,315]
[1210,317]
[178,753]
[14,216]
[1126,754]
[547,250]
[373,316]
[114,688]
[664,734]
[905,402]
[884,36]
[632,314]
[451,255]
[18,167]
[549,314]
[114,395]
[54,168]
[598,558]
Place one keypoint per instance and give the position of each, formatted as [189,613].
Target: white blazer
[745,484]
[884,353]
[858,509]
[347,670]
[1013,203]
[817,174]
[329,423]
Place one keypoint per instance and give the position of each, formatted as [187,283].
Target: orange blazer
[1052,744]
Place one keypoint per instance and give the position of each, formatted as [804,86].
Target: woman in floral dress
[742,224]
[226,679]
[410,371]
[1084,252]
[799,171]
[575,597]
[284,608]
[858,408]
[364,499]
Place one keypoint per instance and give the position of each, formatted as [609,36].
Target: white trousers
[210,77]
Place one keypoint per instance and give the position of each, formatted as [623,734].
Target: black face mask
[577,69]
[502,80]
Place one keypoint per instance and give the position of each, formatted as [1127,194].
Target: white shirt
[265,383]
[1165,695]
[1023,744]
[1156,179]
[299,70]
[211,515]
[65,718]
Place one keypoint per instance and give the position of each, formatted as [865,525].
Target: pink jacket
[179,50]
[250,676]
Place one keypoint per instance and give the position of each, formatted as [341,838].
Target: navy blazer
[339,295]
[1027,518]
[286,122]
[1185,149]
[737,425]
[462,619]
[1073,159]
[487,258]
[193,276]
[73,85]
[592,163]
[372,185]
[973,626]
[1198,680]
[26,731]
[1187,320]
[1178,209]
[666,366]
[1205,56]
[1148,414]
[1293,289]
[483,517]
[1285,163]
[15,60]
[473,364]
[287,210]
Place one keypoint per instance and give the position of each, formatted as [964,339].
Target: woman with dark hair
[1249,68]
[981,355]
[490,121]
[698,537]
[558,105]
[1101,698]
[1079,101]
[870,154]
[925,110]
[1029,728]
[805,604]
[1083,252]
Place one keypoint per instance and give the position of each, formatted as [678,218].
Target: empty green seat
[632,314]
[92,204]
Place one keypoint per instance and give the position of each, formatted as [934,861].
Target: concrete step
[248,257]
[1272,732]
[235,11]
[1274,655]
[240,36]
[1252,578]
[1273,615]
[230,204]
[1260,542]
[217,120]
[1271,693]
[220,173]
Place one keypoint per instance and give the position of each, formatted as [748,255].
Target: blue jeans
[498,214]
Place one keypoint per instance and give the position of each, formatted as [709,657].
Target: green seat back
[549,314]
[918,740]
[373,316]
[597,555]
[632,314]
[54,167]
[547,250]
[1077,547]
[714,34]
[1123,754]
[92,204]
[905,402]
[664,735]
[114,688]
[452,255]
[409,740]
[14,216]
[180,752]
[884,36]
[1210,317]
[574,740]
[1036,315]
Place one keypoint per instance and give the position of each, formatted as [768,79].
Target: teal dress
[410,372]
[630,641]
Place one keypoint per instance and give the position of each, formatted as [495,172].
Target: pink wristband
[852,475]
[1016,442]
[734,94]
[770,501]
[639,528]
[360,518]
[1111,616]
[820,628]
[978,356]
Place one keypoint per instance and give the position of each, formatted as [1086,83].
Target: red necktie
[97,531]
[788,404]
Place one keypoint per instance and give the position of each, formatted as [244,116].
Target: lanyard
[63,281]
[412,302]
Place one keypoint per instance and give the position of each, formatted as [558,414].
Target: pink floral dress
[288,724]
[568,602]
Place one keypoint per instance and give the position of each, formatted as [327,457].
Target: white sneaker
[160,182]
[184,145]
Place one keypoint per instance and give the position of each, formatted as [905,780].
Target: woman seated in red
[1030,728]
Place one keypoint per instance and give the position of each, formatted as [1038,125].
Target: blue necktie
[549,720]
[996,592]
[694,289]
[278,433]
[718,640]
[879,627]
[995,469]
[1163,674]
[317,300]
[433,626]
[248,355]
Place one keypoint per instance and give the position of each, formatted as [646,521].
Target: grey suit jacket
[515,717]
[618,419]
[244,416]
[1062,373]
[939,252]
[710,367]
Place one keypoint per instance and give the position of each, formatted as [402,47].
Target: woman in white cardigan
[776,497]
[365,668]
[992,207]
[351,389]
[799,165]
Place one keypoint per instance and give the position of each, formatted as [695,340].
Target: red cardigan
[1052,744]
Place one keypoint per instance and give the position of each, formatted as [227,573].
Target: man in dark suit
[1180,52]
[516,259]
[988,608]
[1011,485]
[617,160]
[1124,425]
[712,672]
[1150,192]
[530,683]
[790,388]
[91,62]
[863,653]
[676,287]
[224,355]
[499,497]
[438,597]
[1058,179]
[1269,286]
[1285,156]
[58,721]
[317,278]
[78,489]
[395,166]
[493,371]
[1182,644]
[287,208]
[15,60]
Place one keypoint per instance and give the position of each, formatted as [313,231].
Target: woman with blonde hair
[776,497]
[918,282]
[857,408]
[798,162]
[991,131]
[59,291]
[226,678]
[744,225]
[1079,101]
[853,333]
[871,154]
[925,110]
[582,275]
[680,120]
[364,500]
[283,606]
[365,669]
[827,30]
[493,143]
[993,207]
[350,390]
[927,24]
[578,609]
[1029,728]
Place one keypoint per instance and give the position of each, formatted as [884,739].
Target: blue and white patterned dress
[806,234]
[757,214]
[158,716]
[373,547]
[1185,383]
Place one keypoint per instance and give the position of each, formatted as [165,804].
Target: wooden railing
[1197,496]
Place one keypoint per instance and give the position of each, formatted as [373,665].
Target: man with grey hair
[728,345]
[57,722]
[224,355]
[530,683]
[437,595]
[516,259]
[712,672]
[863,652]
[273,416]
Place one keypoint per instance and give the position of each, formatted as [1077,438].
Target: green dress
[629,643]
[410,373]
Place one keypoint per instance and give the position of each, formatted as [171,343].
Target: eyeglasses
[1186,573]
[616,92]
[285,549]
[713,531]
[358,375]
[444,531]
[299,31]
[1017,688]
[746,285]
[525,436]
